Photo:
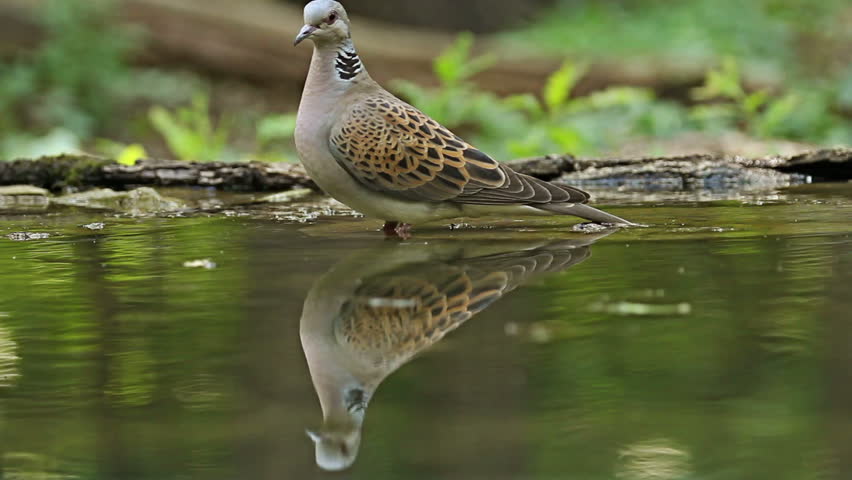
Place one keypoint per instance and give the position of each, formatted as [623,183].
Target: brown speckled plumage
[392,147]
[379,308]
[393,317]
[388,160]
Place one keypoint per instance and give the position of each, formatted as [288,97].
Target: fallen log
[822,165]
[84,171]
[642,174]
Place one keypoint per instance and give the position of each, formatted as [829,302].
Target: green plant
[189,131]
[65,88]
[192,135]
[457,103]
[798,114]
[529,124]
[556,120]
[756,112]
[78,84]
[274,138]
[560,122]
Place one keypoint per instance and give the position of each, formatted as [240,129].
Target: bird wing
[393,316]
[393,148]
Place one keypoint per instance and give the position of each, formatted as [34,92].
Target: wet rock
[94,226]
[590,228]
[288,196]
[141,201]
[23,198]
[27,236]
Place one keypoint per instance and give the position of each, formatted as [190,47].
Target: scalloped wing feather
[392,317]
[391,147]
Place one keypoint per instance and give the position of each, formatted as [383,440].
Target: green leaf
[714,118]
[189,132]
[568,139]
[723,82]
[455,64]
[753,102]
[449,66]
[526,103]
[777,113]
[131,154]
[613,97]
[276,127]
[560,84]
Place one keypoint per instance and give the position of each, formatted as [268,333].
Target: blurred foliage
[192,136]
[457,103]
[767,34]
[78,91]
[189,131]
[76,83]
[69,84]
[554,121]
[274,138]
[797,114]
[79,87]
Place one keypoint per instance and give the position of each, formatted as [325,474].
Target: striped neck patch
[347,64]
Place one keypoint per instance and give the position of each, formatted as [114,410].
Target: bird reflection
[376,310]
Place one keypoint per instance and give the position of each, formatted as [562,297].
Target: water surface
[715,344]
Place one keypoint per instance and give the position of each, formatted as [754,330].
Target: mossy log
[685,172]
[82,171]
[693,171]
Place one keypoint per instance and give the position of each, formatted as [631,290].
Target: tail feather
[584,211]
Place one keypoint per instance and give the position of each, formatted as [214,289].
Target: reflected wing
[394,316]
[391,147]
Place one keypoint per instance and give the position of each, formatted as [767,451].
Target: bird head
[336,449]
[326,22]
[338,440]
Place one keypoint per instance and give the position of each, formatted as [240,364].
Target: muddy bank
[694,172]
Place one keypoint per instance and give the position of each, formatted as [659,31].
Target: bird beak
[316,437]
[306,32]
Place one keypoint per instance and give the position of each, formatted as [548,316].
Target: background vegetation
[782,71]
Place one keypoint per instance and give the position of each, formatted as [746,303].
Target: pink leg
[403,231]
[390,228]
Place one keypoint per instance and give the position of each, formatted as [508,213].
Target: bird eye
[331,18]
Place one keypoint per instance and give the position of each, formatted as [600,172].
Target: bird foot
[397,229]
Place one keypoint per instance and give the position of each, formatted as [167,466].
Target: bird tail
[584,211]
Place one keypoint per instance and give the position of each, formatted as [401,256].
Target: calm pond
[714,344]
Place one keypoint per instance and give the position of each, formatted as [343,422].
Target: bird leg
[397,229]
[390,228]
[403,231]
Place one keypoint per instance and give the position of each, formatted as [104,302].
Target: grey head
[336,446]
[339,439]
[326,23]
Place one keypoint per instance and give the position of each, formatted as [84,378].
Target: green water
[714,344]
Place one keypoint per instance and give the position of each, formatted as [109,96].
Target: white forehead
[318,10]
